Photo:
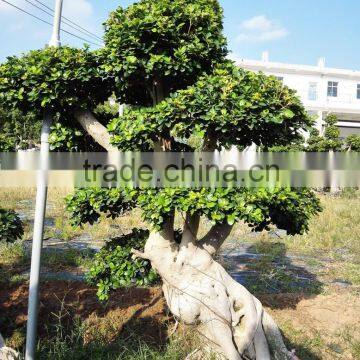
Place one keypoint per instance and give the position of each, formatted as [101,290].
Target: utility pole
[40,209]
[55,38]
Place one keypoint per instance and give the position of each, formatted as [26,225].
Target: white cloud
[261,29]
[257,23]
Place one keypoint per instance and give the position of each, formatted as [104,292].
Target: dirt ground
[324,326]
[313,325]
[143,308]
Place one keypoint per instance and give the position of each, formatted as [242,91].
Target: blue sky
[295,31]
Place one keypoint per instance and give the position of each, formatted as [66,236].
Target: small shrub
[353,143]
[7,143]
[11,227]
[113,267]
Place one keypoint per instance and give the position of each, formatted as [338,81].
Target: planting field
[309,283]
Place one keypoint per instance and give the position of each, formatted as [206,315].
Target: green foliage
[297,145]
[314,140]
[64,138]
[330,141]
[353,143]
[18,131]
[86,205]
[290,209]
[232,106]
[62,80]
[113,267]
[7,143]
[257,207]
[168,42]
[106,112]
[11,227]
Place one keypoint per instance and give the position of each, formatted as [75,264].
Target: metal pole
[37,241]
[40,209]
[55,39]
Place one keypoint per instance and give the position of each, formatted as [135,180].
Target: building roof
[321,70]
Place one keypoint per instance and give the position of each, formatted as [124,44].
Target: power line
[46,22]
[51,14]
[70,21]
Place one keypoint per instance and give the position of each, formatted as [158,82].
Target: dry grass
[335,232]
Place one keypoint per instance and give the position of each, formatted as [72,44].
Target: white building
[322,90]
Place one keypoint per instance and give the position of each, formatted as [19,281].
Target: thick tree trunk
[199,291]
[95,129]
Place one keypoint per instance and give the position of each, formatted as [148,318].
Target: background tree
[18,130]
[352,143]
[166,59]
[330,141]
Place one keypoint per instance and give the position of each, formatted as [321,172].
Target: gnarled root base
[6,353]
[199,291]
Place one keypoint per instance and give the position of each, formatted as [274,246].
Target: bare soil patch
[128,309]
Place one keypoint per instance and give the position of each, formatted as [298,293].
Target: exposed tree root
[7,353]
[199,291]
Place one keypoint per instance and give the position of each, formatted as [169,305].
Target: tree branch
[95,129]
[210,141]
[216,236]
[190,230]
[139,254]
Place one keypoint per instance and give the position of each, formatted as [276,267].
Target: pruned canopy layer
[162,43]
[232,106]
[62,80]
[286,208]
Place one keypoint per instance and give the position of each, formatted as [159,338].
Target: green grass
[59,260]
[13,259]
[12,254]
[71,345]
[350,337]
[274,274]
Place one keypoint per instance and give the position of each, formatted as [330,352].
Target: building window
[332,88]
[280,78]
[358,91]
[312,91]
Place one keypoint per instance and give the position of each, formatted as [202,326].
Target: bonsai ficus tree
[166,59]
